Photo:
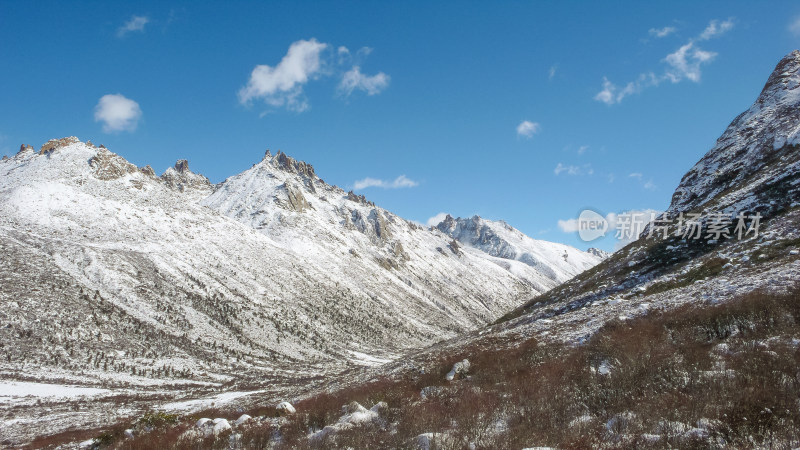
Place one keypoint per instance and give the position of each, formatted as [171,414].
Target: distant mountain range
[113,273]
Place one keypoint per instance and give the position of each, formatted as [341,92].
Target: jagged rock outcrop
[54,144]
[147,170]
[110,166]
[359,198]
[284,162]
[602,254]
[296,201]
[182,179]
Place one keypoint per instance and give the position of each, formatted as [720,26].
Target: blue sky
[521,111]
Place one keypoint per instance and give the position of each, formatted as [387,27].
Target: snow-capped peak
[497,238]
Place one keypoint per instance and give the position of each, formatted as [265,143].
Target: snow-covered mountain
[556,262]
[128,276]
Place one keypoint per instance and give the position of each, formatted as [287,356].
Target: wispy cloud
[527,129]
[612,93]
[649,184]
[716,28]
[436,220]
[685,63]
[353,80]
[117,113]
[400,182]
[283,84]
[552,72]
[585,169]
[136,23]
[582,149]
[661,32]
[794,26]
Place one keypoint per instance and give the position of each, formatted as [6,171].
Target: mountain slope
[273,270]
[556,262]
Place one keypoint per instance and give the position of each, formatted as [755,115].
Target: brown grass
[696,377]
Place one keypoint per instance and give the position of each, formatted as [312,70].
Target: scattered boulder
[459,370]
[221,425]
[244,418]
[202,422]
[454,247]
[286,408]
[429,441]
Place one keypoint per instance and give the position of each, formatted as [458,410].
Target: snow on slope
[755,161]
[556,262]
[128,276]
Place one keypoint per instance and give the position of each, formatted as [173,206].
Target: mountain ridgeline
[114,274]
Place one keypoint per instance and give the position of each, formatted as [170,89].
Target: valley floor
[690,377]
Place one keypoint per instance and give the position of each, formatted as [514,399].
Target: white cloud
[685,63]
[716,28]
[117,113]
[662,32]
[611,177]
[527,129]
[400,182]
[353,80]
[586,169]
[649,184]
[436,220]
[641,217]
[136,23]
[283,84]
[552,72]
[582,149]
[794,26]
[612,93]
